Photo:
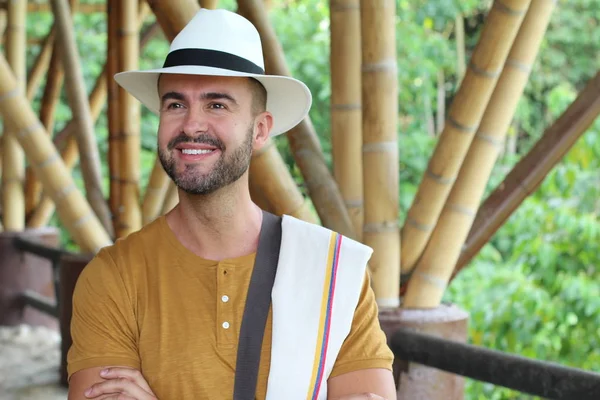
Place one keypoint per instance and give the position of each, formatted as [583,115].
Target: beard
[227,169]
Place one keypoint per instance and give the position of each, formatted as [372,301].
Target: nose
[195,122]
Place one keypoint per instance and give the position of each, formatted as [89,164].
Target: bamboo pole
[74,211]
[172,17]
[303,140]
[42,214]
[130,215]
[40,65]
[70,153]
[294,204]
[50,100]
[75,87]
[13,158]
[530,171]
[434,268]
[380,147]
[459,29]
[462,121]
[171,198]
[3,22]
[156,190]
[210,4]
[84,8]
[113,112]
[346,108]
[260,199]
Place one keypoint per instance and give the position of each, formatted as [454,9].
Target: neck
[221,225]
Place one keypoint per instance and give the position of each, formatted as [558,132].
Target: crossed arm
[128,384]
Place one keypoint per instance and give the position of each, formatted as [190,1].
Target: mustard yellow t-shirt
[149,303]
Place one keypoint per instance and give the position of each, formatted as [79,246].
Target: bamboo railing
[74,211]
[129,218]
[346,108]
[380,147]
[172,17]
[440,256]
[303,140]
[462,121]
[13,158]
[75,88]
[529,172]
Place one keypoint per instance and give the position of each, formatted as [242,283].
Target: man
[158,314]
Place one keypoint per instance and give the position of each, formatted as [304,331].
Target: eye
[174,105]
[218,106]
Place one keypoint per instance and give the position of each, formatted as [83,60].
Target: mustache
[200,139]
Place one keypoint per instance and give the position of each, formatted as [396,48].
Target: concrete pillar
[418,382]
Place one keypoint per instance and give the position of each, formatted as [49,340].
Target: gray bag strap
[258,303]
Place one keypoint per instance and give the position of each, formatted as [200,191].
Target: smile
[196,151]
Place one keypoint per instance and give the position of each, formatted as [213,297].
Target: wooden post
[462,121]
[443,249]
[75,87]
[529,172]
[303,139]
[380,147]
[74,211]
[130,215]
[13,158]
[172,17]
[346,109]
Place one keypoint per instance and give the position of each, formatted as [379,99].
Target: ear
[263,124]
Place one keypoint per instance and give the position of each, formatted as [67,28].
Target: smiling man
[219,299]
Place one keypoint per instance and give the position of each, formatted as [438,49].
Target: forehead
[202,83]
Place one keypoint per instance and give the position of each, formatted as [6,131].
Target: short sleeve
[103,327]
[366,345]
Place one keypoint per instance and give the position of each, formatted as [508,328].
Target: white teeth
[195,151]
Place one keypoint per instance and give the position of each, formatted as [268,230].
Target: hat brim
[288,99]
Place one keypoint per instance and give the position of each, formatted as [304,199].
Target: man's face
[207,130]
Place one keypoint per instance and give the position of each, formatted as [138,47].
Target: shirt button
[225,299]
[226,325]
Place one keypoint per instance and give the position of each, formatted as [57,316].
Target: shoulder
[121,263]
[301,229]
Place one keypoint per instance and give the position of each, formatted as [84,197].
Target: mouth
[196,153]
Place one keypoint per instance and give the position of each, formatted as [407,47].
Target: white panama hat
[222,43]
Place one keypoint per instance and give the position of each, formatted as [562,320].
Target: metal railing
[33,299]
[526,375]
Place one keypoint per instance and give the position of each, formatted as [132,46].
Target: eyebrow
[172,96]
[217,96]
[204,96]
